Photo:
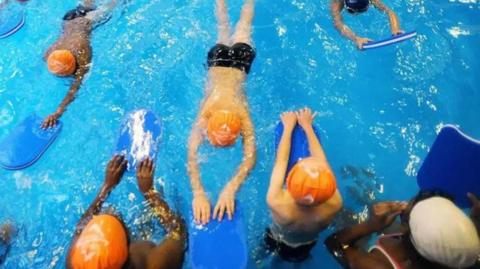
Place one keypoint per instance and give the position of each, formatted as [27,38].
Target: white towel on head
[443,234]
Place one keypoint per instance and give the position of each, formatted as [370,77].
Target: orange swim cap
[223,128]
[101,245]
[61,63]
[311,182]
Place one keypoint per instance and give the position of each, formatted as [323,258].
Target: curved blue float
[299,148]
[389,41]
[26,143]
[11,20]
[140,135]
[452,166]
[219,245]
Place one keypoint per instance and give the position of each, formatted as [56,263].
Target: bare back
[301,224]
[75,38]
[224,90]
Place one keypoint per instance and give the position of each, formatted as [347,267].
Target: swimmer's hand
[289,120]
[475,214]
[201,208]
[145,173]
[115,169]
[360,41]
[51,120]
[305,117]
[225,203]
[383,214]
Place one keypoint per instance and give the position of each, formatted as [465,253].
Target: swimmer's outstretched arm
[52,119]
[171,251]
[341,244]
[114,172]
[200,203]
[336,9]
[394,22]
[171,222]
[275,190]
[226,200]
[305,119]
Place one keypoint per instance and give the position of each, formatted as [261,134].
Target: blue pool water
[378,111]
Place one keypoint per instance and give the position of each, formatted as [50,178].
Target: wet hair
[356,6]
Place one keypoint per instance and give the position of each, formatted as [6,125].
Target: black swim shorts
[286,252]
[240,56]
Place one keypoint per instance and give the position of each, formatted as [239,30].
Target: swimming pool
[379,110]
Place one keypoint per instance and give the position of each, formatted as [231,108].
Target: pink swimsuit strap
[379,247]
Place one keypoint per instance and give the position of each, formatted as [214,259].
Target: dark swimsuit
[286,252]
[77,12]
[239,56]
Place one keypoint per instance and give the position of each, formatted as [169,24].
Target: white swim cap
[443,234]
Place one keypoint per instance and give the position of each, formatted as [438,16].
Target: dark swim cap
[356,6]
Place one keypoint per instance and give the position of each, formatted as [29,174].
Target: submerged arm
[336,8]
[52,119]
[393,18]
[194,142]
[171,222]
[249,155]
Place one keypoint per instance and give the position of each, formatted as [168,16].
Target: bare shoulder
[280,204]
[332,206]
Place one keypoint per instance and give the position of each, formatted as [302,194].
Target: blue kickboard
[219,245]
[299,149]
[11,20]
[452,166]
[140,135]
[26,143]
[389,41]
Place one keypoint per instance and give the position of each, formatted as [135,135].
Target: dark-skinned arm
[113,174]
[173,224]
[342,243]
[52,119]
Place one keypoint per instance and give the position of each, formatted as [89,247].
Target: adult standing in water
[356,7]
[224,113]
[434,234]
[101,240]
[71,54]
